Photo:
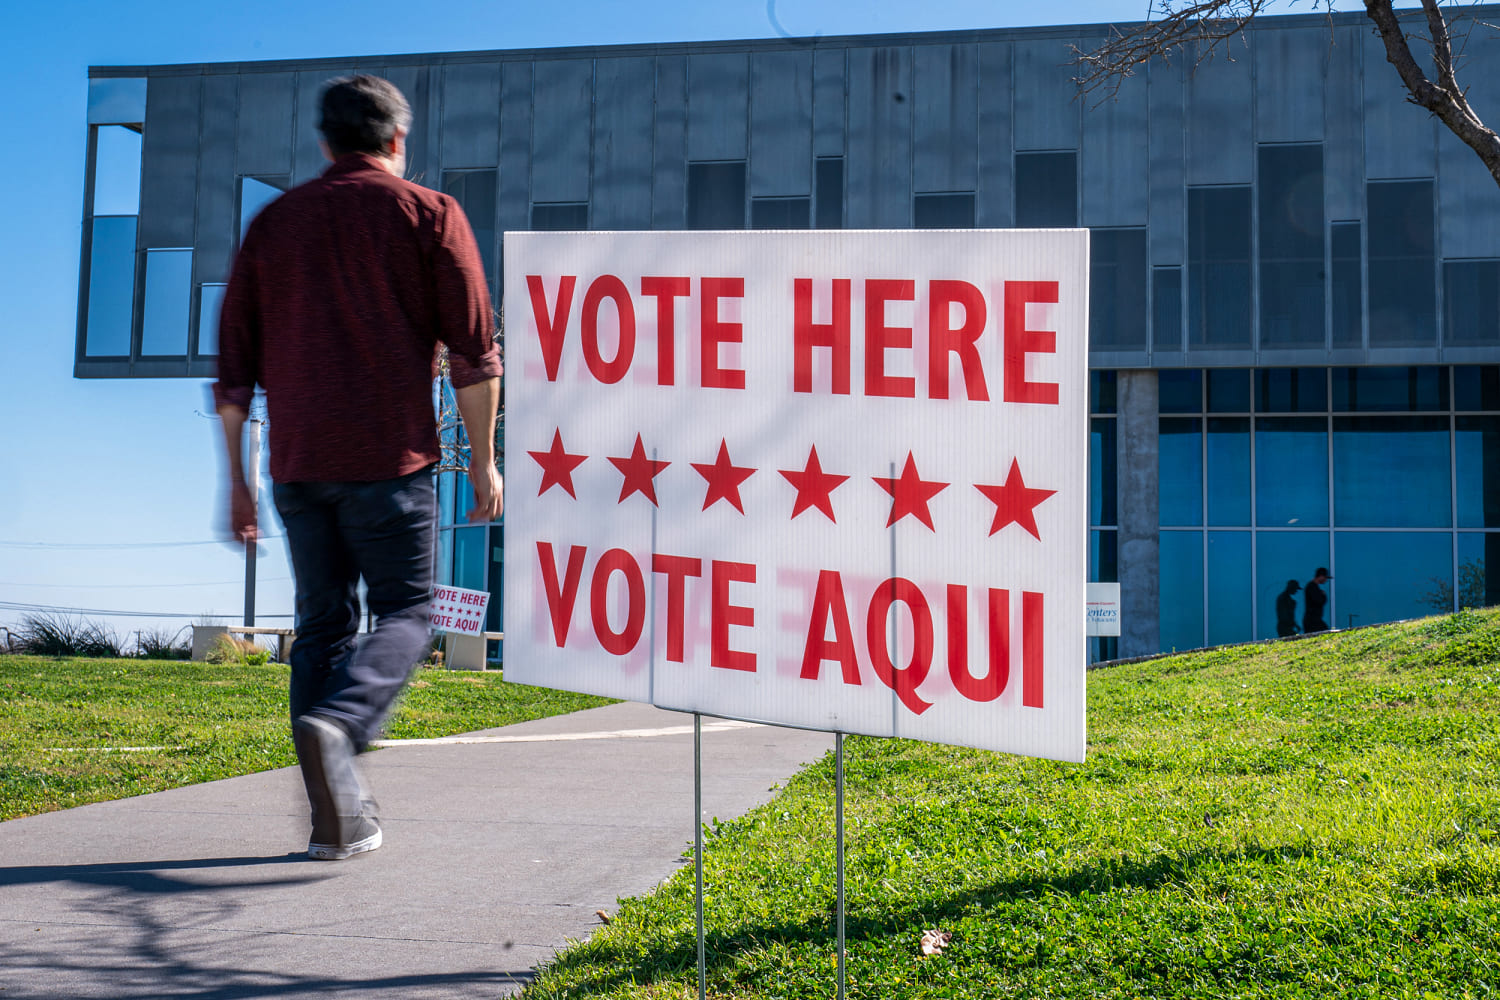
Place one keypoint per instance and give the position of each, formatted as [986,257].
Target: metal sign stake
[838,822]
[698,842]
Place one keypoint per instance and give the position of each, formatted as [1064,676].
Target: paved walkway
[497,853]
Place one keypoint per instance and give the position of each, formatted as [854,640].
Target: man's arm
[477,404]
[235,389]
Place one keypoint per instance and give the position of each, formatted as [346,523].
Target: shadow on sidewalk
[146,876]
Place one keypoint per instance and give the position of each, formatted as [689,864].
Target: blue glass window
[1291,246]
[1180,472]
[780,213]
[444,567]
[1046,190]
[1291,472]
[111,287]
[1281,556]
[560,217]
[210,305]
[1403,274]
[1385,576]
[1476,387]
[828,189]
[1391,472]
[1219,298]
[445,485]
[492,621]
[255,194]
[1166,308]
[1291,390]
[1476,451]
[469,557]
[943,211]
[1229,587]
[1228,390]
[1179,390]
[716,195]
[1400,390]
[1478,588]
[1103,564]
[1103,462]
[1347,285]
[1180,589]
[168,302]
[1471,302]
[1117,289]
[1228,468]
[1102,391]
[117,170]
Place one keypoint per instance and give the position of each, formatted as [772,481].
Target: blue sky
[108,494]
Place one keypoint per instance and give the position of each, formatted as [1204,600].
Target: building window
[474,190]
[1229,582]
[1117,289]
[716,195]
[167,303]
[1219,297]
[210,305]
[780,213]
[1046,190]
[1180,471]
[1180,589]
[560,217]
[1179,390]
[1166,308]
[1291,472]
[1103,472]
[255,194]
[1103,391]
[117,170]
[1346,285]
[1228,390]
[1373,454]
[1290,202]
[1227,470]
[1291,390]
[828,192]
[114,207]
[1402,289]
[1393,390]
[1471,302]
[943,211]
[1476,387]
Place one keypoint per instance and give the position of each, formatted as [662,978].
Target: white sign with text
[835,480]
[1104,609]
[455,609]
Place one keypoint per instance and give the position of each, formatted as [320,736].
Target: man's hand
[489,491]
[242,520]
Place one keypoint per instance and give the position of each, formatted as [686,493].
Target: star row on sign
[456,610]
[1015,502]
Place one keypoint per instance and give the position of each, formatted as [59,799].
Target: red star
[557,466]
[639,471]
[724,479]
[910,493]
[1015,501]
[814,486]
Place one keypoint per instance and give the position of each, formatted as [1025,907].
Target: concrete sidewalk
[496,854]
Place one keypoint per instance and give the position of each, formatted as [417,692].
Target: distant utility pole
[252,482]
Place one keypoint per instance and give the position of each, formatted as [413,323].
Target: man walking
[1286,610]
[1314,600]
[338,297]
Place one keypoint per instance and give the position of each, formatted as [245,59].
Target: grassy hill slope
[1318,818]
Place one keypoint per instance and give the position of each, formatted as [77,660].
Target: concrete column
[1139,506]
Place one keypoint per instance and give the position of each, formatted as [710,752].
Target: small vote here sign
[835,480]
[455,609]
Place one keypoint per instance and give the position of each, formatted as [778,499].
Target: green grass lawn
[58,717]
[1310,819]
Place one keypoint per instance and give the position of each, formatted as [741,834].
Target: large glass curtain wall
[1390,477]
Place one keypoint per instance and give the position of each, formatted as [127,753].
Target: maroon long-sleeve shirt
[338,297]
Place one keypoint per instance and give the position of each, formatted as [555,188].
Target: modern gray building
[1295,342]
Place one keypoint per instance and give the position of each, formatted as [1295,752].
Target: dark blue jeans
[337,533]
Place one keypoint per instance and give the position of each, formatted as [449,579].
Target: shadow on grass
[665,956]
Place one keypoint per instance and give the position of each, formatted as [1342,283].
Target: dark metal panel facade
[1290,66]
[669,155]
[216,184]
[563,97]
[878,172]
[1468,198]
[622,143]
[945,136]
[1400,138]
[513,202]
[307,159]
[828,101]
[995,200]
[1116,163]
[412,82]
[1220,115]
[170,146]
[1046,113]
[718,101]
[1167,150]
[471,116]
[1343,116]
[266,110]
[781,123]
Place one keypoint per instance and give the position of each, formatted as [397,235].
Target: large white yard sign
[835,480]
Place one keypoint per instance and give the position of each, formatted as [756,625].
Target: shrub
[228,649]
[53,634]
[160,644]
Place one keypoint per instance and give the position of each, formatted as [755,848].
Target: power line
[120,545]
[58,610]
[140,586]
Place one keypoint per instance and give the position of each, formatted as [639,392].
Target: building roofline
[1061,32]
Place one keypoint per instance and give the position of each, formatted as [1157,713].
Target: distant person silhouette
[1314,600]
[1286,609]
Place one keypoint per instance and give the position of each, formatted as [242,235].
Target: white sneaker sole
[333,852]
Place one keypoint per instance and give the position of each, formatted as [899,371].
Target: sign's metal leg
[698,842]
[838,821]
